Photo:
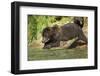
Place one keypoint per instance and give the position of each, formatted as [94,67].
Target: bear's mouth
[45,40]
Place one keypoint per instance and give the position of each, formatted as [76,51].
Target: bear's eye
[46,35]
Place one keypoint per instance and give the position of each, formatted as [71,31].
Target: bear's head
[49,33]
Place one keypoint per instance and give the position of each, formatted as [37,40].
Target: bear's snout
[44,40]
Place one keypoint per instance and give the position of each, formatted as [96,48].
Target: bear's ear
[48,28]
[55,28]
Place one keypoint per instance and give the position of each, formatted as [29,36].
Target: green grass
[54,53]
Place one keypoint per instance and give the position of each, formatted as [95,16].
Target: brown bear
[53,35]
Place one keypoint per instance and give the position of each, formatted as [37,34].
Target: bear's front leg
[51,44]
[47,46]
